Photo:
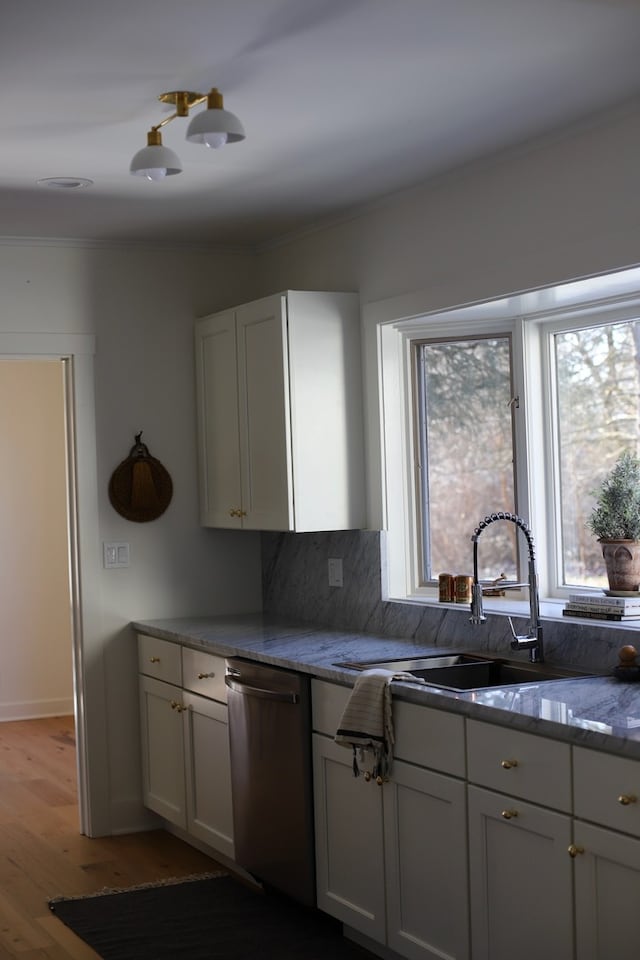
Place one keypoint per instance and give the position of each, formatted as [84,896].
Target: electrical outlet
[335,572]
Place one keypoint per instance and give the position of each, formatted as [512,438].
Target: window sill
[550,609]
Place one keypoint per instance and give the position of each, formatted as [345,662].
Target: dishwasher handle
[250,691]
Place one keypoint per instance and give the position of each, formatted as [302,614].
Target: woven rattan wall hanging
[140,489]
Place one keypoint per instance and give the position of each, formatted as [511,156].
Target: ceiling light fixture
[214,127]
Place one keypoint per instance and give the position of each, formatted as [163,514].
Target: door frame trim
[77,351]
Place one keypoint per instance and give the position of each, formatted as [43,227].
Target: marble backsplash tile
[295,586]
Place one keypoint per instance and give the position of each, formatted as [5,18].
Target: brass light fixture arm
[183,100]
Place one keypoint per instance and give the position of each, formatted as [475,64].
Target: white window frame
[531,318]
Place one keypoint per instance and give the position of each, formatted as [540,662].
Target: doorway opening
[71,355]
[36,679]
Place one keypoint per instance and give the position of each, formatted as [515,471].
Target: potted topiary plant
[615,521]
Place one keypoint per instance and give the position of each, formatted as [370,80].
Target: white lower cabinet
[520,871]
[425,860]
[520,879]
[606,855]
[607,884]
[391,858]
[162,741]
[349,841]
[184,738]
[486,843]
[207,772]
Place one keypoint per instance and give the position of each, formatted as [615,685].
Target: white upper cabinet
[280,414]
[218,436]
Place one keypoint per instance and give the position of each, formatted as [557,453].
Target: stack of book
[602,607]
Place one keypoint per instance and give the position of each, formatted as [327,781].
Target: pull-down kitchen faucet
[532,641]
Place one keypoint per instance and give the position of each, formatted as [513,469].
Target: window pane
[598,394]
[466,440]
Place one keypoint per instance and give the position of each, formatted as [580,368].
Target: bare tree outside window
[598,400]
[464,400]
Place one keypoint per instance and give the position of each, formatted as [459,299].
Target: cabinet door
[207,772]
[265,426]
[349,841]
[425,826]
[607,881]
[217,409]
[520,879]
[163,786]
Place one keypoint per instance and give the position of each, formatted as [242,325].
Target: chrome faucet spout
[532,641]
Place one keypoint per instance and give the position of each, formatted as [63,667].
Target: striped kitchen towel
[367,726]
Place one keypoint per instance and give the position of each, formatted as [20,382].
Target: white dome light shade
[215,126]
[155,162]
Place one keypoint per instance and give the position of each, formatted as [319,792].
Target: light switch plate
[115,554]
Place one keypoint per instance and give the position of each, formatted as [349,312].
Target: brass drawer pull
[176,706]
[508,764]
[206,676]
[574,851]
[154,659]
[509,814]
[626,798]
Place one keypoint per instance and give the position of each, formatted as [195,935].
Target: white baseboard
[37,709]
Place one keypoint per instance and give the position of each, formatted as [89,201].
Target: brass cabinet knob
[574,850]
[154,659]
[508,764]
[626,798]
[176,706]
[509,814]
[367,776]
[381,780]
[237,512]
[206,676]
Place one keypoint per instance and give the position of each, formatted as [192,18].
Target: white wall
[141,306]
[36,671]
[564,207]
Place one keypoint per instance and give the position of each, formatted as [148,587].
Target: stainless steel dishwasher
[271,776]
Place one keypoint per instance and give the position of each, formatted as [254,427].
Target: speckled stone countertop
[599,712]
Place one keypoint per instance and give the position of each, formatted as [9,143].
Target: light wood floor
[43,854]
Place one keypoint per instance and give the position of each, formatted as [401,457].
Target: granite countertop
[599,712]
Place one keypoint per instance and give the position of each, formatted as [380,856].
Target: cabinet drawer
[520,764]
[328,701]
[160,659]
[607,789]
[424,736]
[203,673]
[429,737]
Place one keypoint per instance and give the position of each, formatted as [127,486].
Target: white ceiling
[343,101]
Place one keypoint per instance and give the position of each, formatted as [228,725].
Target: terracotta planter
[622,560]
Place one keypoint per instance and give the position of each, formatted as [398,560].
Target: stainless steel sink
[463,671]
